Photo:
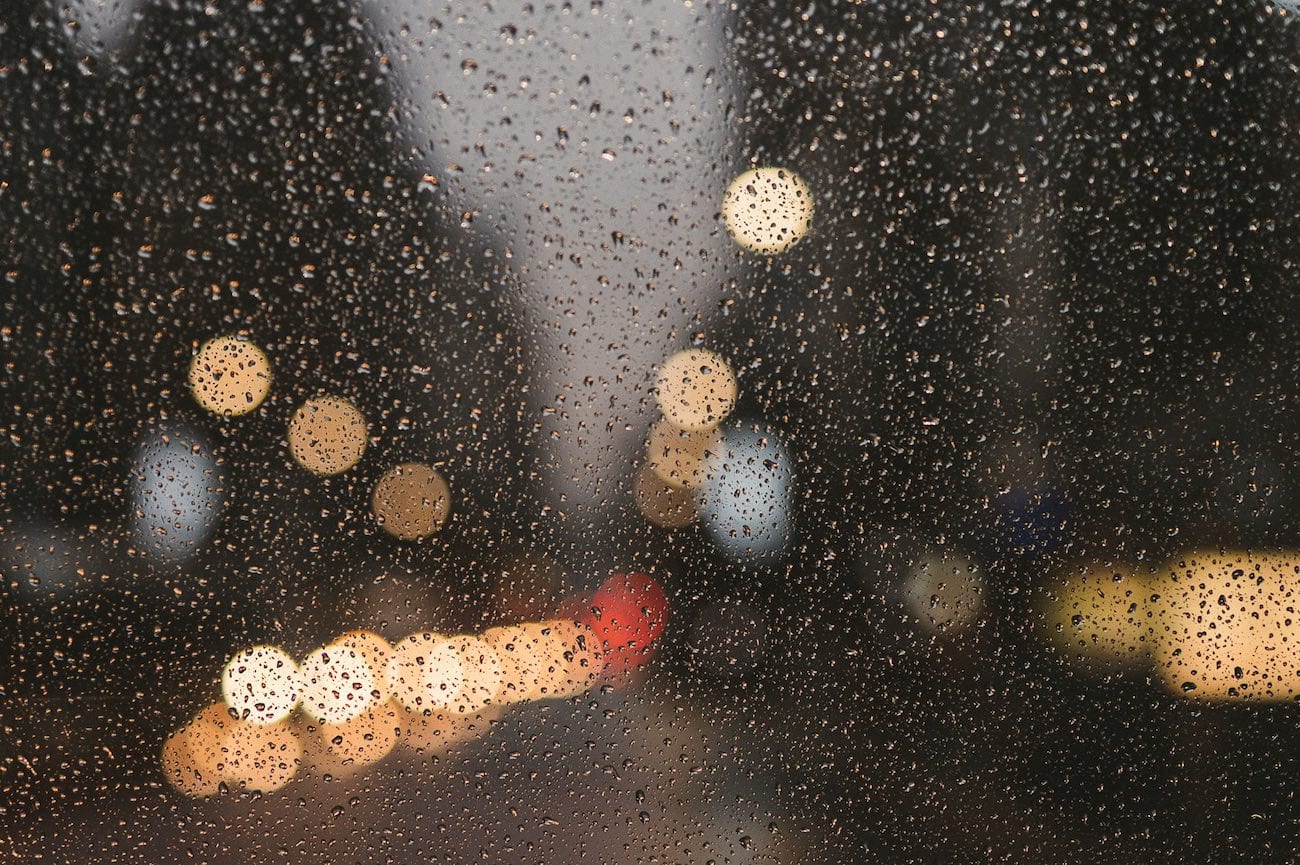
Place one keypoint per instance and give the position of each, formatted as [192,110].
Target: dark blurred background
[1044,317]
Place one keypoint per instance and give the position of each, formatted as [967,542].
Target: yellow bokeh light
[376,650]
[327,435]
[1101,615]
[678,457]
[261,757]
[480,668]
[192,756]
[767,210]
[521,664]
[411,501]
[176,762]
[1225,626]
[206,737]
[424,672]
[696,389]
[570,660]
[664,505]
[338,684]
[339,749]
[262,684]
[229,376]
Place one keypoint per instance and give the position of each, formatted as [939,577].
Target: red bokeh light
[628,614]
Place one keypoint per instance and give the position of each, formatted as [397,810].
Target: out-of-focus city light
[696,389]
[1101,616]
[767,210]
[215,749]
[339,749]
[678,457]
[553,665]
[261,757]
[177,767]
[521,663]
[327,435]
[666,506]
[411,501]
[746,501]
[480,674]
[176,489]
[573,661]
[206,738]
[376,651]
[424,672]
[99,28]
[338,684]
[943,592]
[444,691]
[629,614]
[1225,625]
[229,376]
[192,756]
[262,685]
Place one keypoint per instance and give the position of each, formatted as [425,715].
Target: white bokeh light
[261,685]
[176,491]
[338,684]
[746,502]
[424,672]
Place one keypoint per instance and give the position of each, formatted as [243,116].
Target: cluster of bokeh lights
[1210,625]
[347,704]
[736,479]
[327,435]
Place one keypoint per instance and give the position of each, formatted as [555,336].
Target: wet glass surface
[648,432]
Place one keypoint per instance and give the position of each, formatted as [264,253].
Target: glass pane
[659,431]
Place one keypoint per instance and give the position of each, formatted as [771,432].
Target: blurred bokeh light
[411,501]
[1101,616]
[767,210]
[1225,626]
[746,502]
[229,376]
[262,685]
[696,389]
[327,435]
[177,491]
